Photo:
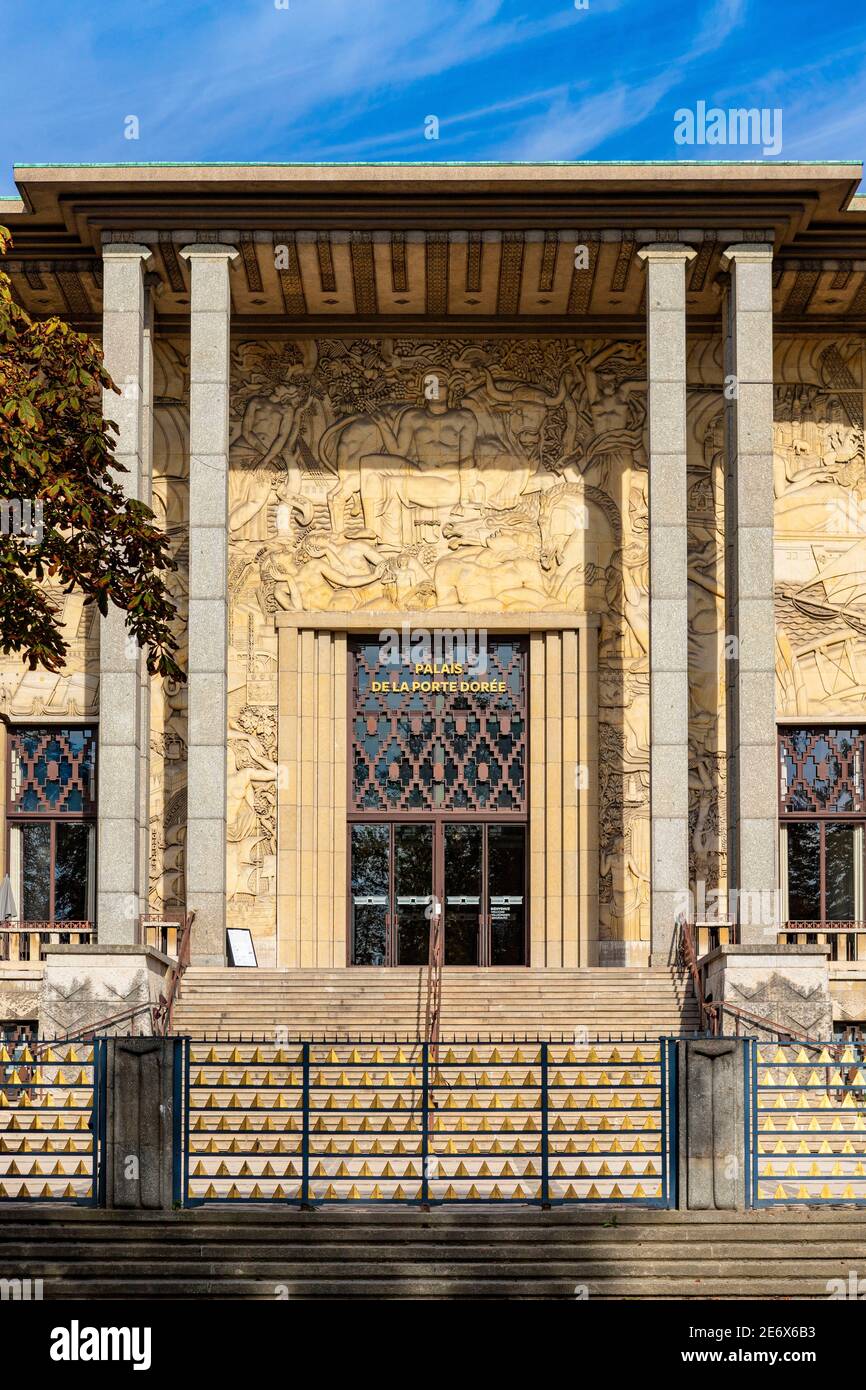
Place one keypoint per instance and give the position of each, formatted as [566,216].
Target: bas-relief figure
[819,474]
[706,607]
[72,693]
[506,475]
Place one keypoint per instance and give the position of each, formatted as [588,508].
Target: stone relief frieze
[500,475]
[522,487]
[705,481]
[403,474]
[819,474]
[72,693]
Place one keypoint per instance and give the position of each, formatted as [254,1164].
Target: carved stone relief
[820,485]
[502,475]
[72,693]
[706,561]
[492,475]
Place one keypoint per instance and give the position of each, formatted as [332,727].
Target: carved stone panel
[396,475]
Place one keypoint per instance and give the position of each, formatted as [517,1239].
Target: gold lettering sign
[438,687]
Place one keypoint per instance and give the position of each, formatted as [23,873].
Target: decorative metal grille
[494,1122]
[53,771]
[821,770]
[458,747]
[47,1143]
[808,1123]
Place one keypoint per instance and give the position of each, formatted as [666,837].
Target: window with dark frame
[51,823]
[822,814]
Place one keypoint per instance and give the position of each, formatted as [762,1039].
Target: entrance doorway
[472,872]
[437,801]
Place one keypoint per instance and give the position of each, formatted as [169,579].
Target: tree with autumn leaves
[57,462]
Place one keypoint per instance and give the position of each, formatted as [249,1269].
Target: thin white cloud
[336,52]
[575,126]
[570,129]
[250,70]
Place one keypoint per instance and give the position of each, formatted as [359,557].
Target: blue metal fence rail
[749,1119]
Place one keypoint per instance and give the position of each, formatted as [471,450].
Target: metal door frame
[439,820]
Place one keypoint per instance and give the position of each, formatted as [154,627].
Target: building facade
[519,521]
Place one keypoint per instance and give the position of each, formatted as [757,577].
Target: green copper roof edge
[446,164]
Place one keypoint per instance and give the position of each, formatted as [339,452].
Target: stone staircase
[345,1004]
[470,1253]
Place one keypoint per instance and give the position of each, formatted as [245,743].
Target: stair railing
[433,1008]
[164,1014]
[709,1012]
[712,1015]
[102,1025]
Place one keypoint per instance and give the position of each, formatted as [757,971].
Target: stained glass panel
[438,736]
[53,771]
[822,770]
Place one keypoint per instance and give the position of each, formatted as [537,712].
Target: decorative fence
[495,1122]
[48,1121]
[806,1122]
[317,1123]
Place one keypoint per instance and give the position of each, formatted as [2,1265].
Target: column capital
[207,250]
[666,251]
[126,251]
[756,252]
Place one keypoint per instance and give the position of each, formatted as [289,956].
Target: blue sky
[355,79]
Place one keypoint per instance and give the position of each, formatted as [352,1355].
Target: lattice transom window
[821,770]
[822,817]
[52,771]
[438,735]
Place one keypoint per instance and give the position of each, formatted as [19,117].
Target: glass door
[391,891]
[463,911]
[51,867]
[822,871]
[472,872]
[371,872]
[413,892]
[506,889]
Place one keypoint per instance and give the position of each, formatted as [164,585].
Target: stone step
[399,973]
[102,1257]
[474,1252]
[454,1001]
[218,1001]
[309,1267]
[444,1289]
